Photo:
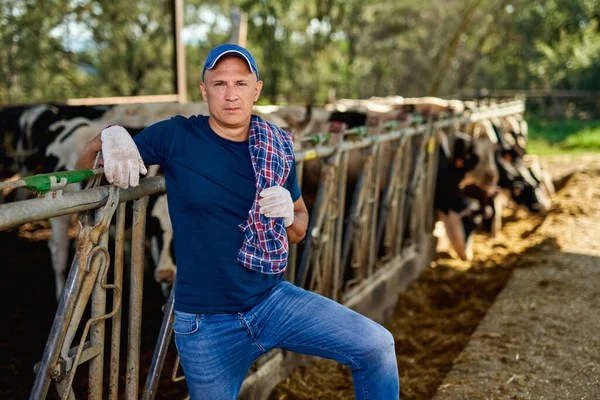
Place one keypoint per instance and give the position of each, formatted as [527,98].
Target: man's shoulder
[172,127]
[193,120]
[181,122]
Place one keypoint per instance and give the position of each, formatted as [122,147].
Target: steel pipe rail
[498,111]
[21,212]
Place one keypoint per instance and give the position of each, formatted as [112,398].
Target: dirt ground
[539,338]
[559,165]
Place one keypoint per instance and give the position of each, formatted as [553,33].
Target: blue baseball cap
[229,50]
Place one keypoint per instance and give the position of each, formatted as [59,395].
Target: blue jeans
[217,350]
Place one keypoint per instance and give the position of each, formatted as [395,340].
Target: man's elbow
[296,237]
[297,232]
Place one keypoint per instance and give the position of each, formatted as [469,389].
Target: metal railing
[345,249]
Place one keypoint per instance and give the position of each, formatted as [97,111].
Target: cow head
[485,173]
[533,198]
[474,155]
[521,186]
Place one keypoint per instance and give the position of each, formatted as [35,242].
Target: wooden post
[180,83]
[239,27]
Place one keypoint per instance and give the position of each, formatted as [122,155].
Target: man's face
[230,89]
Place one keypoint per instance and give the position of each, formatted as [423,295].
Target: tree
[305,48]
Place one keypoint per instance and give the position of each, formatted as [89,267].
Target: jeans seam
[256,342]
[189,323]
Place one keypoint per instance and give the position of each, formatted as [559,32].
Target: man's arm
[297,230]
[88,154]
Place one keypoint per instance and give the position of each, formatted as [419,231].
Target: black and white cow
[468,162]
[36,132]
[516,177]
[25,134]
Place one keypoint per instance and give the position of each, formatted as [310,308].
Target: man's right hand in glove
[122,161]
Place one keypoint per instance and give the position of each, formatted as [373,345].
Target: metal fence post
[138,242]
[160,351]
[97,332]
[115,343]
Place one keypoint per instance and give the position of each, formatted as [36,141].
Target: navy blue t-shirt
[210,189]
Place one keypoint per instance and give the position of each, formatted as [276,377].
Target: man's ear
[203,90]
[258,89]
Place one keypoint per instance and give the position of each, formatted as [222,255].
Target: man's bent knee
[377,377]
[379,347]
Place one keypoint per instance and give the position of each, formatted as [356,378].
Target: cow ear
[459,163]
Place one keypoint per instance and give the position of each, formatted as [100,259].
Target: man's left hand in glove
[276,202]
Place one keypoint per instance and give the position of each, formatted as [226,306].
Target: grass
[548,137]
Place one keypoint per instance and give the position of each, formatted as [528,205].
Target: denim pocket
[185,324]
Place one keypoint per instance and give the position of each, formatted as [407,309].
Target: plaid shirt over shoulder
[265,247]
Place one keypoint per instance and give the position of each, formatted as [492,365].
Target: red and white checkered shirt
[265,247]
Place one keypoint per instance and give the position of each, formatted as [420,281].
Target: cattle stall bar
[366,242]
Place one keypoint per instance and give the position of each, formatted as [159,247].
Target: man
[234,203]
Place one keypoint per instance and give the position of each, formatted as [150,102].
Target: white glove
[122,161]
[277,202]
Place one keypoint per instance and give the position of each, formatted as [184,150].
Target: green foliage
[558,136]
[569,60]
[307,50]
[545,45]
[588,138]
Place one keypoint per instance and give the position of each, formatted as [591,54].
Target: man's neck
[236,134]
